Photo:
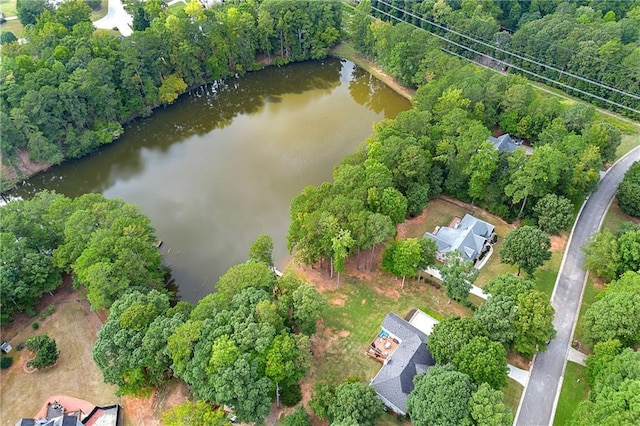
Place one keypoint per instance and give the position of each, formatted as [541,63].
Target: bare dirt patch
[518,361]
[148,410]
[23,169]
[558,243]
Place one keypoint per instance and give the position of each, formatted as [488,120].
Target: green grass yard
[8,8]
[512,393]
[354,316]
[574,390]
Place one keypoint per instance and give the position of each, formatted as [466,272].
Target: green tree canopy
[261,249]
[450,335]
[498,316]
[527,246]
[509,285]
[488,409]
[440,397]
[533,323]
[601,254]
[555,213]
[458,275]
[131,350]
[614,397]
[249,274]
[614,317]
[300,417]
[628,194]
[45,349]
[357,402]
[483,361]
[402,257]
[197,413]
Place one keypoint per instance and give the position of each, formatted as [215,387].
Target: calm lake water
[221,165]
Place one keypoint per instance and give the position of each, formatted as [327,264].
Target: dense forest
[587,48]
[440,146]
[70,88]
[238,346]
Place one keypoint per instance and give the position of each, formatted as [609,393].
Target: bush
[291,395]
[300,417]
[35,325]
[45,349]
[20,346]
[7,37]
[6,362]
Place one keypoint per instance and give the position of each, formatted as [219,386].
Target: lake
[221,165]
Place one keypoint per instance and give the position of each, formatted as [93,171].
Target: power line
[514,66]
[565,49]
[500,49]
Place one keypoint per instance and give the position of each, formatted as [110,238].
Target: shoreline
[345,50]
[10,178]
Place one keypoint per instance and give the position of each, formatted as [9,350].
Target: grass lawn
[175,8]
[615,217]
[13,26]
[74,374]
[354,316]
[574,389]
[629,141]
[512,394]
[8,8]
[591,290]
[545,276]
[100,13]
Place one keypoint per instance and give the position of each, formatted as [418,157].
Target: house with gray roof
[409,357]
[503,143]
[469,237]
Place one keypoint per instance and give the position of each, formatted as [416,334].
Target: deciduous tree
[194,413]
[498,316]
[601,254]
[488,409]
[614,317]
[261,249]
[355,401]
[45,349]
[555,213]
[452,334]
[458,275]
[483,361]
[528,247]
[628,194]
[440,397]
[533,322]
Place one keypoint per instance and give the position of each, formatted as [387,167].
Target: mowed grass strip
[574,389]
[512,393]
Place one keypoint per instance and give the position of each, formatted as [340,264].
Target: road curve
[538,403]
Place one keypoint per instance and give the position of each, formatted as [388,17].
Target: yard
[75,374]
[356,308]
[574,390]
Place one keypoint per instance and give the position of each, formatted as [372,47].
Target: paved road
[117,17]
[538,403]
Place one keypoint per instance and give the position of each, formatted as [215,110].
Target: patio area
[383,346]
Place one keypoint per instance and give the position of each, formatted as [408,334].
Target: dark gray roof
[394,381]
[503,143]
[468,237]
